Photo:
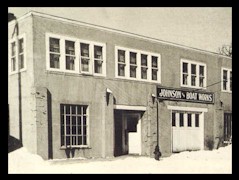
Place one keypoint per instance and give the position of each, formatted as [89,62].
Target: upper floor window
[17,54]
[54,53]
[75,55]
[137,65]
[226,80]
[193,74]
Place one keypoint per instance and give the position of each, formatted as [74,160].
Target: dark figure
[157,153]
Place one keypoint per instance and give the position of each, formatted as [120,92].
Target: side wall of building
[22,83]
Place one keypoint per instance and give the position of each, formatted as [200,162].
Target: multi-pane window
[74,125]
[70,55]
[133,64]
[121,63]
[144,66]
[13,56]
[73,55]
[137,65]
[193,74]
[17,54]
[185,119]
[21,53]
[98,59]
[226,79]
[54,53]
[154,68]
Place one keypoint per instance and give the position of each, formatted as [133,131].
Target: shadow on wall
[13,144]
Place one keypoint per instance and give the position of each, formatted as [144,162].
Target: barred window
[74,125]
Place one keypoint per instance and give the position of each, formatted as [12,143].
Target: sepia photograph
[119,90]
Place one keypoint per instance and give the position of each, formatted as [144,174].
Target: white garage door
[187,131]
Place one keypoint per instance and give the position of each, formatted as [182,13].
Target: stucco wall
[78,89]
[26,84]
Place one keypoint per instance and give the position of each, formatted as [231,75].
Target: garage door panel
[187,132]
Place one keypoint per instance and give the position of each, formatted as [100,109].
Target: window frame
[16,40]
[189,73]
[228,79]
[138,64]
[77,62]
[87,128]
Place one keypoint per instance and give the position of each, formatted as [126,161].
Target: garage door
[186,131]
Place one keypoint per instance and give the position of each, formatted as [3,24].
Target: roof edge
[30,13]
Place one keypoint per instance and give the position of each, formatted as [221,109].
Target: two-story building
[81,90]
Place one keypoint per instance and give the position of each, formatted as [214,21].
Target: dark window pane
[70,63]
[185,79]
[79,130]
[193,68]
[84,120]
[73,129]
[73,109]
[54,45]
[70,47]
[79,140]
[84,49]
[55,61]
[84,130]
[21,59]
[62,130]
[73,140]
[84,140]
[67,109]
[196,120]
[154,74]
[21,46]
[13,64]
[144,60]
[68,130]
[173,119]
[68,141]
[98,66]
[225,75]
[62,141]
[133,71]
[121,70]
[121,56]
[185,67]
[132,58]
[181,123]
[85,64]
[193,80]
[189,120]
[13,48]
[84,109]
[78,109]
[201,80]
[62,120]
[143,73]
[68,120]
[154,61]
[73,120]
[79,120]
[201,70]
[98,52]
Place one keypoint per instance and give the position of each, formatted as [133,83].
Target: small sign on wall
[185,95]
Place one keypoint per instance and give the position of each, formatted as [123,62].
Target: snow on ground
[216,161]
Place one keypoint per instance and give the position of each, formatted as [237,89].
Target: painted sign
[185,95]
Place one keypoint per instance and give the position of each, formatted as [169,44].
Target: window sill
[72,73]
[224,91]
[16,72]
[75,147]
[193,87]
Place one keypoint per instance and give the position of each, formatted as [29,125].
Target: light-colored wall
[78,89]
[27,83]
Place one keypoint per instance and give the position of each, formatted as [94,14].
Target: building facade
[80,90]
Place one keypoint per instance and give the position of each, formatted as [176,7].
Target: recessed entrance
[127,133]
